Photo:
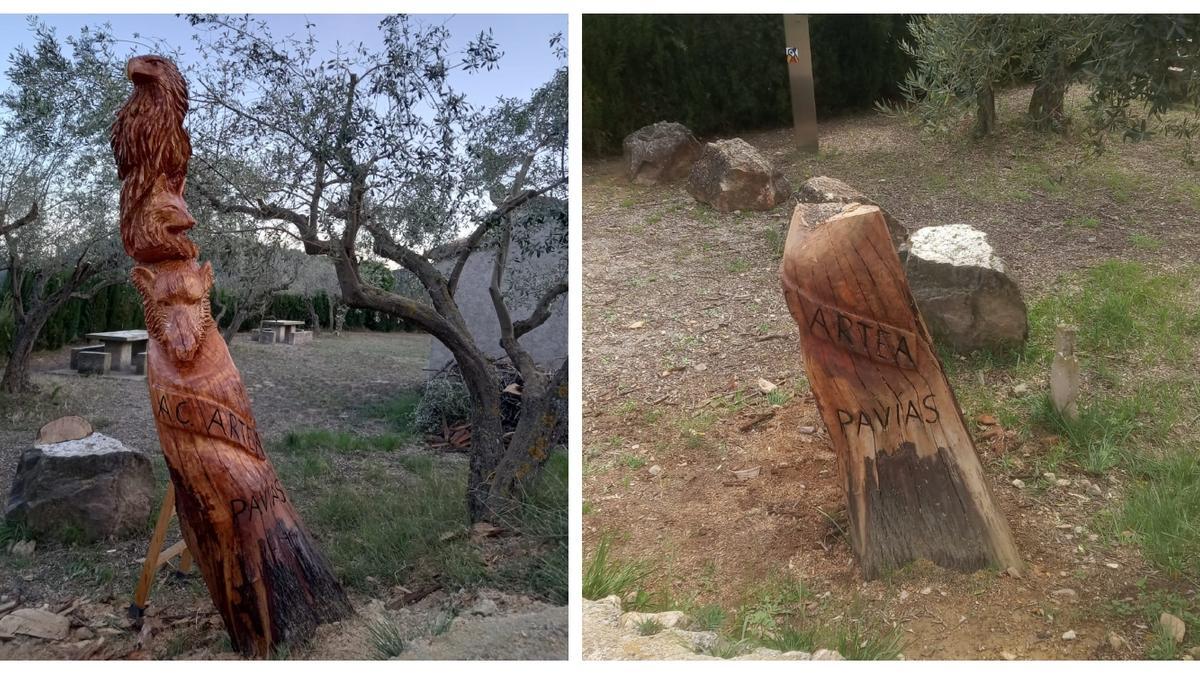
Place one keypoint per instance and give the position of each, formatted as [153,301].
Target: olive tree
[58,188]
[363,153]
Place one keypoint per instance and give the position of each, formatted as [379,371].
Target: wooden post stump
[914,486]
[1064,373]
[266,577]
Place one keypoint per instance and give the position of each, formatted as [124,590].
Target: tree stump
[914,486]
[270,584]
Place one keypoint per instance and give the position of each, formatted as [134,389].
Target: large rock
[731,175]
[92,487]
[659,153]
[962,290]
[35,623]
[818,195]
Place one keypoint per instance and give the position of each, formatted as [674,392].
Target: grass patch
[1144,242]
[1163,509]
[342,441]
[378,532]
[542,517]
[1138,330]
[387,638]
[1085,222]
[647,627]
[399,413]
[604,577]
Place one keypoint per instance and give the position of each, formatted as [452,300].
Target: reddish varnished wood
[914,485]
[266,577]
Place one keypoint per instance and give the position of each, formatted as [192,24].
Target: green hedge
[115,308]
[726,73]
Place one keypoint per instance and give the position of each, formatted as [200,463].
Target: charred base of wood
[916,507]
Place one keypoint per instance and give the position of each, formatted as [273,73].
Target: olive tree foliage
[953,75]
[362,153]
[1141,70]
[249,268]
[58,186]
[314,276]
[1144,73]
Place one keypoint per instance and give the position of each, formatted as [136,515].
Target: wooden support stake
[150,566]
[914,486]
[268,581]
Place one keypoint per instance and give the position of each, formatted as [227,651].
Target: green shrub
[445,398]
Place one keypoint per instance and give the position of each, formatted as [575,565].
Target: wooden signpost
[269,582]
[914,486]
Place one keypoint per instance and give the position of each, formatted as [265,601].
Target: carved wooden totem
[266,577]
[914,485]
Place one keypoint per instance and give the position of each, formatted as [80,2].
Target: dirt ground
[332,384]
[683,313]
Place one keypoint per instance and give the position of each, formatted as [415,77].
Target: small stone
[826,655]
[23,549]
[766,386]
[1008,656]
[1050,477]
[84,633]
[1112,566]
[1094,490]
[1062,482]
[484,607]
[1172,626]
[655,470]
[1068,593]
[1093,537]
[1069,635]
[1020,389]
[1117,642]
[927,590]
[700,367]
[636,325]
[1018,483]
[1078,529]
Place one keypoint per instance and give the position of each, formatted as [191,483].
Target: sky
[528,60]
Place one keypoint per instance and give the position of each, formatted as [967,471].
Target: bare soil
[683,313]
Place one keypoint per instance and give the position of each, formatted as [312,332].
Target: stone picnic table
[283,328]
[122,345]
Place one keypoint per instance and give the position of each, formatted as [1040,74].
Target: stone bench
[265,336]
[86,348]
[300,337]
[139,363]
[94,363]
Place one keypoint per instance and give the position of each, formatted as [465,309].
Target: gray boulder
[93,487]
[962,290]
[820,191]
[660,153]
[731,175]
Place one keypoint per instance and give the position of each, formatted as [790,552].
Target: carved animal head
[175,298]
[147,135]
[161,74]
[155,229]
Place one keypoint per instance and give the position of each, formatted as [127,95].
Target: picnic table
[283,329]
[122,345]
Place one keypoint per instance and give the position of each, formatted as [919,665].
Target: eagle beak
[137,69]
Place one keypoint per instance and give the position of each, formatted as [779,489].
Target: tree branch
[22,221]
[541,312]
[488,222]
